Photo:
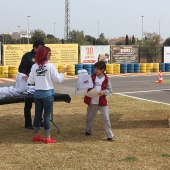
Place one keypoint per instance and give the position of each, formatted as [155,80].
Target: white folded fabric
[20,82]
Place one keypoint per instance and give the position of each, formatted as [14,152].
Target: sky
[114,18]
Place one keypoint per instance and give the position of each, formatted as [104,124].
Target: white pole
[54,29]
[19,34]
[142,31]
[159,28]
[28,28]
[98,29]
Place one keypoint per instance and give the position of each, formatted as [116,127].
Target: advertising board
[61,53]
[92,54]
[124,53]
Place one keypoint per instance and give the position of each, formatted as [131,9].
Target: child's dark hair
[100,65]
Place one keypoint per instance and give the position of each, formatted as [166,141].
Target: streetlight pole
[98,29]
[54,29]
[159,28]
[28,28]
[19,34]
[3,38]
[142,31]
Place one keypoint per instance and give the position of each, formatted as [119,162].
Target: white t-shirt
[97,86]
[44,77]
[21,83]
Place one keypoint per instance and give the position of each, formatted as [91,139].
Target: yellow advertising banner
[13,53]
[62,54]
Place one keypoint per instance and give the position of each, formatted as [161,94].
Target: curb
[4,80]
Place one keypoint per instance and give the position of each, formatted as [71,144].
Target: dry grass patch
[142,138]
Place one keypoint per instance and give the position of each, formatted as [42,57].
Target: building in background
[16,35]
[23,34]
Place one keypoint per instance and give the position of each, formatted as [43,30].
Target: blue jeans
[41,104]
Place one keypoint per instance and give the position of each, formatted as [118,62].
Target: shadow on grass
[128,124]
[72,128]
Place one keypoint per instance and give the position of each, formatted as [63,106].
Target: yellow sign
[62,54]
[13,53]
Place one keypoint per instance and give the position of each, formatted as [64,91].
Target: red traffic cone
[160,79]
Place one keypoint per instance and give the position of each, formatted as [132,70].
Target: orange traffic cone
[160,79]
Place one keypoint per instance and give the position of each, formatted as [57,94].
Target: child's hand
[64,70]
[102,93]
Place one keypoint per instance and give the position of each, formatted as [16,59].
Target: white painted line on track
[142,99]
[124,94]
[141,91]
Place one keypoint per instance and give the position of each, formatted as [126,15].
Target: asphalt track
[139,86]
[142,86]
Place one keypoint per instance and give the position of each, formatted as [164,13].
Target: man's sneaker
[110,139]
[50,141]
[87,133]
[38,139]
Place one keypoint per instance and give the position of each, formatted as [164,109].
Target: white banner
[92,54]
[0,55]
[166,54]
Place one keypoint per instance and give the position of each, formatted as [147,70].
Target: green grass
[129,158]
[167,81]
[165,155]
[140,128]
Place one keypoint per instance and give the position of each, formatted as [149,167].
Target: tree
[24,40]
[89,39]
[62,40]
[77,37]
[127,40]
[50,39]
[102,40]
[167,42]
[120,42]
[50,36]
[38,35]
[7,39]
[2,38]
[150,45]
[102,36]
[94,41]
[133,40]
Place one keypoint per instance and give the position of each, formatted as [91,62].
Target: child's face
[99,72]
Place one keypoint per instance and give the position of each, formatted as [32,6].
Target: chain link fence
[150,55]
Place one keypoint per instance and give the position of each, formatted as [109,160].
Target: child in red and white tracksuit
[103,86]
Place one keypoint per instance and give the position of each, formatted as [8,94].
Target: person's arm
[30,79]
[23,65]
[108,89]
[57,77]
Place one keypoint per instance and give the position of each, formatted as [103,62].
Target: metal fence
[150,55]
